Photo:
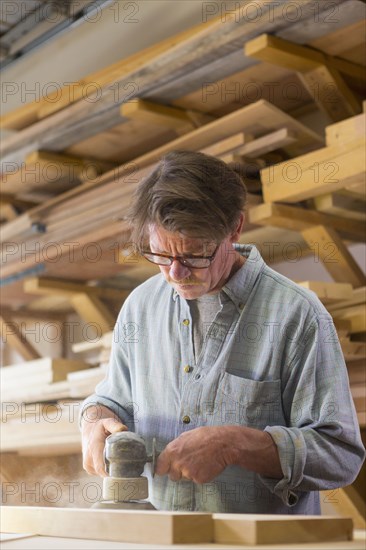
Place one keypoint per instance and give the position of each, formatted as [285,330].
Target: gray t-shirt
[203,312]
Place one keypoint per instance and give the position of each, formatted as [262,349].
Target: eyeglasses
[195,262]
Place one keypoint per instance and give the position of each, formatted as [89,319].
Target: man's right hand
[98,422]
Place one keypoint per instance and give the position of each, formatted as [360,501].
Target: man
[235,369]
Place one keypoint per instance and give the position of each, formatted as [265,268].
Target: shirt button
[186,420]
[186,322]
[187,368]
[241,305]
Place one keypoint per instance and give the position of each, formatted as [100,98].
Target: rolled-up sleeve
[320,447]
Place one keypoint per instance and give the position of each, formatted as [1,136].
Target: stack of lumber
[41,429]
[92,211]
[347,307]
[46,380]
[40,403]
[44,174]
[100,350]
[340,166]
[350,316]
[180,66]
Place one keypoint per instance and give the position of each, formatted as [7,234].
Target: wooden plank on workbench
[346,502]
[280,529]
[112,525]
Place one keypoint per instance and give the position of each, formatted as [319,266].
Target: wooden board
[342,205]
[328,292]
[302,219]
[280,529]
[199,51]
[112,525]
[175,527]
[347,130]
[42,168]
[340,263]
[318,71]
[316,173]
[57,369]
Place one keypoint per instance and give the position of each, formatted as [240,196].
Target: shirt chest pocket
[247,402]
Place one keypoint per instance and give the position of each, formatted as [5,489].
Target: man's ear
[239,227]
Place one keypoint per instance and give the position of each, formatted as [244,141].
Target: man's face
[192,283]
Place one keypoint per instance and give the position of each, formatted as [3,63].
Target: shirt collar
[240,285]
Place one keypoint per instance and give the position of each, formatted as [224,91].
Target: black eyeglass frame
[183,260]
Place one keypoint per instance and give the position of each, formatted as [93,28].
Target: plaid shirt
[271,360]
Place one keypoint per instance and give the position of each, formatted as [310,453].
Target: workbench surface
[31,542]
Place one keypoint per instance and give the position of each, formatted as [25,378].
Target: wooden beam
[316,173]
[320,73]
[104,342]
[48,286]
[358,298]
[265,144]
[195,52]
[300,219]
[225,145]
[31,112]
[328,292]
[354,316]
[161,115]
[274,49]
[336,258]
[12,336]
[110,525]
[44,168]
[344,206]
[346,130]
[93,311]
[7,212]
[331,93]
[44,315]
[21,204]
[21,117]
[45,370]
[353,350]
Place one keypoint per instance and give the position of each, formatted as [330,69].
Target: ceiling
[26,24]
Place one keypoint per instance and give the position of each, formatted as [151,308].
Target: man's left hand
[197,455]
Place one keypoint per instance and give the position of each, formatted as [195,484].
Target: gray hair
[191,193]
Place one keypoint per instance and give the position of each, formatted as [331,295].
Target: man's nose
[178,272]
